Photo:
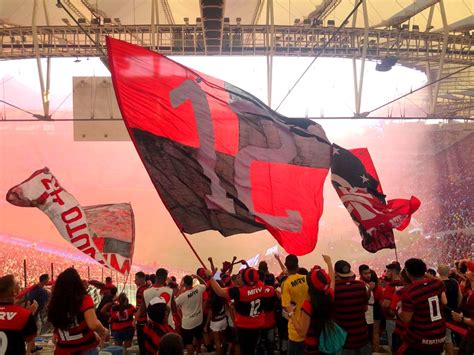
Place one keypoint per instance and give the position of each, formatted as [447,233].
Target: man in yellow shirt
[294,293]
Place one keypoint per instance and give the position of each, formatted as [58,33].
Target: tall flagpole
[192,248]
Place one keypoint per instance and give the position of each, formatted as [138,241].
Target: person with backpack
[317,321]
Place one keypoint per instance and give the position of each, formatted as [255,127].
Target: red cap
[320,280]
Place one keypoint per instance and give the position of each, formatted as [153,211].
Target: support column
[44,87]
[442,57]
[270,41]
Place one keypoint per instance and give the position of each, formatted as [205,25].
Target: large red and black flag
[220,158]
[356,181]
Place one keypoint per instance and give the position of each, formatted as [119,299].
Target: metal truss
[70,41]
[436,53]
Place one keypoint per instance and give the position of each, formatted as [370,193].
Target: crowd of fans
[316,310]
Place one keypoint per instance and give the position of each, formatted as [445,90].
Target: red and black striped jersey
[140,301]
[350,301]
[312,337]
[79,337]
[248,305]
[17,326]
[427,328]
[121,320]
[153,332]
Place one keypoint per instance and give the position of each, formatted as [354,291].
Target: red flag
[219,158]
[356,181]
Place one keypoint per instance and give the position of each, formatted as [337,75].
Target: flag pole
[192,248]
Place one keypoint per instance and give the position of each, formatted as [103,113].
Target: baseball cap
[394,265]
[343,268]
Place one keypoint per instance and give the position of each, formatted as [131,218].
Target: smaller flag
[356,182]
[272,251]
[105,233]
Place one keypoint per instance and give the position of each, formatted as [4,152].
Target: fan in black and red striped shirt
[422,308]
[351,303]
[121,321]
[467,315]
[157,327]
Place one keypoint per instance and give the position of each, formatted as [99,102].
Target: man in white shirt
[190,301]
[159,289]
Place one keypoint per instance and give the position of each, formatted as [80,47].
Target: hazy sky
[109,172]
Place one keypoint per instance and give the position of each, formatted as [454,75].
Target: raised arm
[332,274]
[221,292]
[211,262]
[282,266]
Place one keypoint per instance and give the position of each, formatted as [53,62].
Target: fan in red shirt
[351,303]
[105,289]
[396,303]
[140,316]
[393,276]
[17,324]
[269,304]
[71,312]
[249,316]
[121,321]
[157,327]
[422,308]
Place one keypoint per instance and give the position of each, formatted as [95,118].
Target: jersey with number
[248,305]
[427,329]
[78,337]
[17,325]
[120,320]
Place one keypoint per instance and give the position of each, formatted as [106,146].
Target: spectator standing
[71,312]
[157,326]
[140,316]
[351,302]
[18,328]
[422,308]
[294,293]
[189,300]
[121,321]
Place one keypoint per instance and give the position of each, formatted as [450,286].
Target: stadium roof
[432,35]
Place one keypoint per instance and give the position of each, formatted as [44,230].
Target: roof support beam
[407,13]
[323,10]
[44,87]
[443,54]
[359,76]
[212,12]
[270,42]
